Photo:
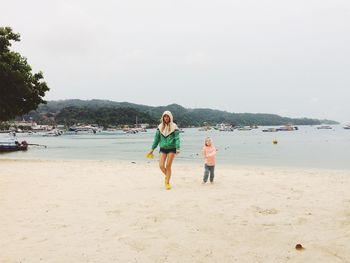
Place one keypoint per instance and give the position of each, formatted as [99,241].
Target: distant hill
[110,113]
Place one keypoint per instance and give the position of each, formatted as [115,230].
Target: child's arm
[204,153]
[213,153]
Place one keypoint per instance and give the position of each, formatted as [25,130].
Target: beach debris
[133,162]
[299,247]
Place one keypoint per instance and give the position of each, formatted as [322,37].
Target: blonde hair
[208,139]
[163,125]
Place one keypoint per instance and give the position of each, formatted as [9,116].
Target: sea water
[307,147]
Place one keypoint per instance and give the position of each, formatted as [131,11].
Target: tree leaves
[20,90]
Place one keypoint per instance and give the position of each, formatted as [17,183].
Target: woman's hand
[149,154]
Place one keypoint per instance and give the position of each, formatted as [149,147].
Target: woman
[167,136]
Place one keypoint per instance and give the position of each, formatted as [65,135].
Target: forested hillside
[109,113]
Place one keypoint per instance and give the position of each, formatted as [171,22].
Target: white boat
[52,133]
[288,127]
[84,129]
[347,127]
[224,127]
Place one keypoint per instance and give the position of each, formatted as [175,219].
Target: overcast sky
[290,58]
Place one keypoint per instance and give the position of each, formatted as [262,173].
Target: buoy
[274,141]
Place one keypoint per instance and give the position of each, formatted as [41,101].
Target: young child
[209,153]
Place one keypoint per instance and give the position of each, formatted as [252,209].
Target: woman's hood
[170,128]
[169,114]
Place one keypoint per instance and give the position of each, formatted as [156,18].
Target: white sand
[81,211]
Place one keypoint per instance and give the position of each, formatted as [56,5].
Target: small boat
[244,128]
[282,128]
[130,131]
[52,133]
[347,127]
[270,130]
[324,127]
[84,129]
[205,128]
[13,145]
[288,127]
[224,127]
[140,129]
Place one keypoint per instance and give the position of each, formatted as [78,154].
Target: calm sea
[306,147]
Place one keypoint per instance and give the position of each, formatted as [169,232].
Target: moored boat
[324,127]
[84,129]
[13,145]
[270,130]
[224,127]
[287,127]
[243,128]
[204,128]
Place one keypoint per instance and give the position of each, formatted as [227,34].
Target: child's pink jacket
[209,153]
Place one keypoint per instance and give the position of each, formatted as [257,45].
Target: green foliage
[108,113]
[4,126]
[329,122]
[21,90]
[103,116]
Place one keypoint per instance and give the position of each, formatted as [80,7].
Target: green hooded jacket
[167,142]
[170,137]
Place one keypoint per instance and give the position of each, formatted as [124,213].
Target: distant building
[22,123]
[144,125]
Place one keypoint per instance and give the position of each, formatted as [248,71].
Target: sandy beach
[103,211]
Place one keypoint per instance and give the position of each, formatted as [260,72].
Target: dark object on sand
[299,247]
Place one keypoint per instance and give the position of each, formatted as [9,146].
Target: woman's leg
[169,163]
[162,159]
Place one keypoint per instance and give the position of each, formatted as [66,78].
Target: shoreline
[182,163]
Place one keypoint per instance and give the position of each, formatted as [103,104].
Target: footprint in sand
[113,212]
[138,246]
[269,211]
[301,221]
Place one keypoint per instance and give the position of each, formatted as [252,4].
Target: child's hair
[207,139]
